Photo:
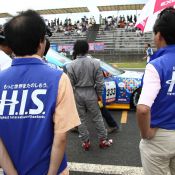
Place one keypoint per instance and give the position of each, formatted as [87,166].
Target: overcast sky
[12,6]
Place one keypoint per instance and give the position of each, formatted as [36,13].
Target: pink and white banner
[97,46]
[149,13]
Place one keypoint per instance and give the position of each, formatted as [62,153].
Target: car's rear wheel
[135,98]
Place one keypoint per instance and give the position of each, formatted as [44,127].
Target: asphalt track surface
[121,158]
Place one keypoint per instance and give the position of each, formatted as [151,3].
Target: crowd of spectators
[67,27]
[112,22]
[127,23]
[81,27]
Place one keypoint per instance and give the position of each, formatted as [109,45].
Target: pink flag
[149,13]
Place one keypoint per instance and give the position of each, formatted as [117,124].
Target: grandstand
[60,38]
[122,46]
[119,44]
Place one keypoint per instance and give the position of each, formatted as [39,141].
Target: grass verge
[130,65]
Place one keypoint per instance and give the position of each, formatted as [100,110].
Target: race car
[127,84]
[122,88]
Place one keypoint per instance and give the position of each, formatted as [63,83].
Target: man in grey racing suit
[87,80]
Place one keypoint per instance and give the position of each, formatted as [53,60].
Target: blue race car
[122,88]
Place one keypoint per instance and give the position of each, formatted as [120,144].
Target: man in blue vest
[37,105]
[149,52]
[156,106]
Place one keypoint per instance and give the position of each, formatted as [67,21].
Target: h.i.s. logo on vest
[13,103]
[171,83]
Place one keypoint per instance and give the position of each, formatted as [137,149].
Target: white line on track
[105,169]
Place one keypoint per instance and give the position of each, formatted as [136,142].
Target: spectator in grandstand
[93,20]
[37,112]
[87,80]
[5,51]
[149,52]
[131,27]
[138,32]
[63,52]
[155,109]
[135,19]
[106,26]
[130,19]
[58,21]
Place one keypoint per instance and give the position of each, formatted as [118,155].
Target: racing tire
[135,98]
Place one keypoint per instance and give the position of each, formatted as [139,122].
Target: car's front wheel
[135,98]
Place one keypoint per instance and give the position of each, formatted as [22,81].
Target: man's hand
[151,133]
[57,153]
[5,161]
[144,58]
[100,98]
[143,119]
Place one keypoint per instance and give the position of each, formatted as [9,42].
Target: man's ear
[159,36]
[161,39]
[42,43]
[41,48]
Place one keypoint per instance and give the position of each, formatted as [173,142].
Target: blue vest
[163,109]
[149,51]
[155,55]
[28,93]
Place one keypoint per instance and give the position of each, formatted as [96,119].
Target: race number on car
[110,91]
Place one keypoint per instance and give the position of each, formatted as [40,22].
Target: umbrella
[149,13]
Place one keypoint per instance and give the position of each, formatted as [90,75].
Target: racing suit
[87,80]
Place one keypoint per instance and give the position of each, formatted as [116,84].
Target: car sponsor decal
[110,91]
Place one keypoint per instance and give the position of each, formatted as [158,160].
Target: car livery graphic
[122,88]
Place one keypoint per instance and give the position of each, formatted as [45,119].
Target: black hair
[48,32]
[165,24]
[149,45]
[81,47]
[24,33]
[47,46]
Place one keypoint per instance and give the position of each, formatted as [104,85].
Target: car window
[59,60]
[56,58]
[109,68]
